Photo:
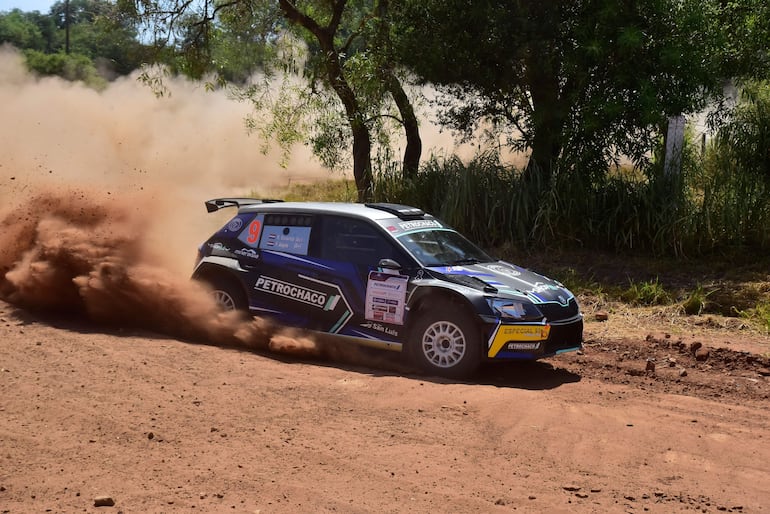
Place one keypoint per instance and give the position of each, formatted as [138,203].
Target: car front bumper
[534,340]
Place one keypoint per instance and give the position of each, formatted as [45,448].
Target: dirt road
[163,425]
[109,189]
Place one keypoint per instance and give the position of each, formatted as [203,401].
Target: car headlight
[515,309]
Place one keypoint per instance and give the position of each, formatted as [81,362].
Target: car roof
[360,210]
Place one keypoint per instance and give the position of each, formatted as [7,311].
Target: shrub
[69,67]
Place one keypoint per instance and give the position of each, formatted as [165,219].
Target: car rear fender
[216,266]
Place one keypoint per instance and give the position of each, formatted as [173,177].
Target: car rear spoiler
[220,203]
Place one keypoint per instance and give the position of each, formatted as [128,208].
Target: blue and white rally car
[388,276]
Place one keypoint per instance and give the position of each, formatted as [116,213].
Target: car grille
[555,311]
[565,336]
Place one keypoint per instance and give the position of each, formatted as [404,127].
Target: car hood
[505,279]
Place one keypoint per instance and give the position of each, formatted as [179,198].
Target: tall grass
[719,201]
[711,205]
[731,187]
[495,204]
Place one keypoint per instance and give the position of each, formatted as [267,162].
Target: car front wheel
[446,342]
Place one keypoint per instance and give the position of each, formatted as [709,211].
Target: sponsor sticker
[525,332]
[502,269]
[379,327]
[540,287]
[235,225]
[418,224]
[517,337]
[523,346]
[247,252]
[386,297]
[218,247]
[295,292]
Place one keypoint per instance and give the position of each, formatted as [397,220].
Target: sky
[27,5]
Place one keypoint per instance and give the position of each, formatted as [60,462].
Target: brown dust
[101,204]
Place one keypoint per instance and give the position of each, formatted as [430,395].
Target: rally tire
[446,341]
[227,293]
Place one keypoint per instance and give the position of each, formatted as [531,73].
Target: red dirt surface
[120,386]
[160,424]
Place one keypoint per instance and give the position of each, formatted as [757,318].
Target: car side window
[355,241]
[286,233]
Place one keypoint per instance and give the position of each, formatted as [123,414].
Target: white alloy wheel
[443,344]
[224,300]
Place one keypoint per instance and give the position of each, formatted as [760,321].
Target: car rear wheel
[227,293]
[446,342]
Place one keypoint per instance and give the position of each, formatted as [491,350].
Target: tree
[746,31]
[20,30]
[387,63]
[325,32]
[349,51]
[71,67]
[242,42]
[100,32]
[578,81]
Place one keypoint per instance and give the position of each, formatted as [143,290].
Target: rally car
[388,276]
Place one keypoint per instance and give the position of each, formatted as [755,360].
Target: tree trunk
[362,163]
[413,149]
[548,117]
[362,145]
[546,148]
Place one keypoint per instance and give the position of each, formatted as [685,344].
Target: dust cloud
[77,253]
[101,204]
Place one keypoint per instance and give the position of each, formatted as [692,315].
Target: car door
[351,249]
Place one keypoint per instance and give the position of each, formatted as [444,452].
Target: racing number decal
[254,229]
[250,235]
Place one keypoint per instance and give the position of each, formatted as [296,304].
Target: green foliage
[759,314]
[21,30]
[96,31]
[70,67]
[648,292]
[496,204]
[99,31]
[696,301]
[744,141]
[579,82]
[746,31]
[729,186]
[720,201]
[241,44]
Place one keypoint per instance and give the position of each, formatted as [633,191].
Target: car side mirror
[389,264]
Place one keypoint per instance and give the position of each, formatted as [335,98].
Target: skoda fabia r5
[388,276]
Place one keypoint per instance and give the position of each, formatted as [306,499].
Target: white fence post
[672,163]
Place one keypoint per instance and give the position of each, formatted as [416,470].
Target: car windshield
[442,247]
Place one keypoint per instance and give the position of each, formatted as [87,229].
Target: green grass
[759,314]
[648,292]
[322,191]
[696,301]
